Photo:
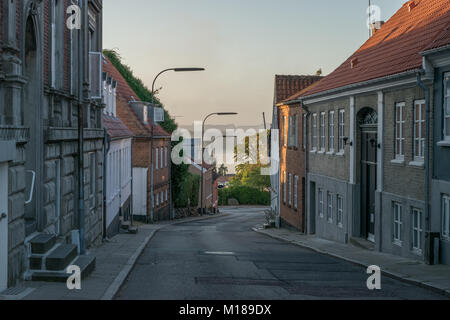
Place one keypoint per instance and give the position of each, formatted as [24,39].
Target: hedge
[244,195]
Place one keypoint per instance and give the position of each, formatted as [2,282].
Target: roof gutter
[435,50]
[355,86]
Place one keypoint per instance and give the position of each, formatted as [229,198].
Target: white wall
[118,177]
[140,191]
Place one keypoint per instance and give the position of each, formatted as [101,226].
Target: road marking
[220,253]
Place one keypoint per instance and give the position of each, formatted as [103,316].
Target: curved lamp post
[203,150]
[151,141]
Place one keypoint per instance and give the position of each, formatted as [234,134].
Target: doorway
[369,154]
[3,226]
[31,116]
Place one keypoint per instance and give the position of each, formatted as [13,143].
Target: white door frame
[3,226]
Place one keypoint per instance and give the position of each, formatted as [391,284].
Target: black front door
[368,181]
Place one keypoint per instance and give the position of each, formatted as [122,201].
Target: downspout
[106,148]
[81,204]
[428,254]
[132,182]
[305,108]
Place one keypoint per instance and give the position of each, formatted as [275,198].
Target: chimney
[375,26]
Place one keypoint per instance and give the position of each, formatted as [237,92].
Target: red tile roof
[396,47]
[125,112]
[115,128]
[287,85]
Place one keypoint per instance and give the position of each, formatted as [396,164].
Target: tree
[223,170]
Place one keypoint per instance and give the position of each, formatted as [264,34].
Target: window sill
[330,221]
[398,162]
[417,164]
[418,252]
[321,152]
[340,154]
[313,151]
[340,226]
[444,143]
[331,153]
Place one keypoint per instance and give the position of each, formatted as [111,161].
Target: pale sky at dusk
[241,43]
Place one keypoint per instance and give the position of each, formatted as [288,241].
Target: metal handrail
[32,186]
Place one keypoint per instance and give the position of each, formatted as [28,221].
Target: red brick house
[292,150]
[151,199]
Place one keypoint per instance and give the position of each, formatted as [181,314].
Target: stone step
[133,230]
[362,244]
[86,264]
[60,258]
[125,225]
[42,243]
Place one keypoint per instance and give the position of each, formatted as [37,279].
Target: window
[162,197]
[296,192]
[157,200]
[92,179]
[157,158]
[305,130]
[290,189]
[162,158]
[417,225]
[419,130]
[331,131]
[296,131]
[398,222]
[340,211]
[314,132]
[167,195]
[447,106]
[330,207]
[167,157]
[321,203]
[322,132]
[284,187]
[341,131]
[446,217]
[399,131]
[290,132]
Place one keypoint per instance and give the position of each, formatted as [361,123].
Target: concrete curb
[112,290]
[390,274]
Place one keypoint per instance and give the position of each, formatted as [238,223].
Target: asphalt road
[223,259]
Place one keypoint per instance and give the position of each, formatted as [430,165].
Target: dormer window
[354,63]
[411,6]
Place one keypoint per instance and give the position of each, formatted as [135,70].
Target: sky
[242,44]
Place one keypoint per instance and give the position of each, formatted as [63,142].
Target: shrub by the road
[244,195]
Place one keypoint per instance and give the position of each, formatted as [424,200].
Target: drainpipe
[305,108]
[106,148]
[81,213]
[428,254]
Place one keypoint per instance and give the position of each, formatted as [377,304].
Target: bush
[245,195]
[187,193]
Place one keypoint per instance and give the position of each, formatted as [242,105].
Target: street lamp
[151,141]
[203,150]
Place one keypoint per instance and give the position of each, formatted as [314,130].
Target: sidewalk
[436,278]
[115,260]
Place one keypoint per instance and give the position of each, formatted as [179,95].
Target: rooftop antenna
[370,17]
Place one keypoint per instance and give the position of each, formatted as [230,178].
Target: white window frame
[296,192]
[446,217]
[162,197]
[330,207]
[331,136]
[399,131]
[322,132]
[157,158]
[290,189]
[284,187]
[314,132]
[341,130]
[162,158]
[446,107]
[417,230]
[340,211]
[285,131]
[167,195]
[419,131]
[398,223]
[167,156]
[321,206]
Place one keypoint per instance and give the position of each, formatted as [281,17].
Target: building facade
[48,94]
[118,163]
[437,57]
[289,120]
[151,153]
[370,140]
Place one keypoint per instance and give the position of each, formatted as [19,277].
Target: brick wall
[292,161]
